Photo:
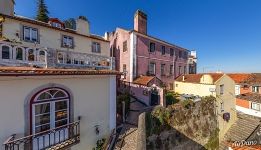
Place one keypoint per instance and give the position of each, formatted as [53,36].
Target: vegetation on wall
[99,144]
[171,98]
[42,11]
[190,122]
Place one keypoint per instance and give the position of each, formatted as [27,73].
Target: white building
[58,86]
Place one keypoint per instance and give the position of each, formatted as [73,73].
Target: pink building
[139,54]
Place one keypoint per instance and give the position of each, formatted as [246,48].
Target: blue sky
[225,33]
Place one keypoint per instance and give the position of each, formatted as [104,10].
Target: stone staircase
[241,129]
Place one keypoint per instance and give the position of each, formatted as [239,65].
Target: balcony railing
[16,54]
[62,137]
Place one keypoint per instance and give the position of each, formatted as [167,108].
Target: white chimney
[183,78]
[7,7]
[82,26]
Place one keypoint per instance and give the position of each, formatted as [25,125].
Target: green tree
[42,12]
[70,23]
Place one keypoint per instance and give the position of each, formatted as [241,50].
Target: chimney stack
[82,26]
[7,7]
[140,22]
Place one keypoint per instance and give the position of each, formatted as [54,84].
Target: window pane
[42,119]
[30,55]
[61,105]
[61,115]
[59,94]
[42,109]
[19,54]
[5,52]
[34,35]
[61,123]
[42,128]
[27,34]
[44,96]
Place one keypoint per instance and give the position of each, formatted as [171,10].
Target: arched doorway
[50,109]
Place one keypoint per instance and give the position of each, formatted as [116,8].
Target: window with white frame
[255,106]
[6,52]
[222,106]
[50,109]
[30,34]
[67,41]
[96,47]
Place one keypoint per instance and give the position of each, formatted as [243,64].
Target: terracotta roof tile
[254,97]
[195,78]
[239,77]
[30,71]
[143,80]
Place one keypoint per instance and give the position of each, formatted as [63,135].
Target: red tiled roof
[30,71]
[143,80]
[254,97]
[239,77]
[195,78]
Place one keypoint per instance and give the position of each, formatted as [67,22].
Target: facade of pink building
[139,54]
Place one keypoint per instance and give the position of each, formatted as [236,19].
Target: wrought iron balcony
[16,54]
[62,137]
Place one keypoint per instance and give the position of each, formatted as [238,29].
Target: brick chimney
[140,22]
[7,7]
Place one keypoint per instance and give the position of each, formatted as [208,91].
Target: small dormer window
[57,25]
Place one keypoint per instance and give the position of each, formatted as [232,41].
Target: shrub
[171,98]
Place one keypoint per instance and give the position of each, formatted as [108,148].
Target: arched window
[6,52]
[19,53]
[30,55]
[60,58]
[42,56]
[50,109]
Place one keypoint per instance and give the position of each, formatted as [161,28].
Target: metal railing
[54,139]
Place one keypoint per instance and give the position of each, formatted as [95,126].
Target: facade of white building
[58,85]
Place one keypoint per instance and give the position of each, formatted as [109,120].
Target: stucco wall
[229,101]
[144,57]
[194,88]
[92,99]
[51,38]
